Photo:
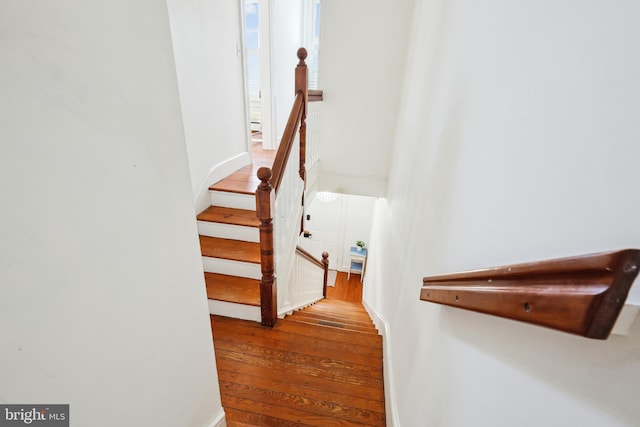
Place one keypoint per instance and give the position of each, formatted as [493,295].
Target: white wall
[362,50]
[517,140]
[287,38]
[206,36]
[103,303]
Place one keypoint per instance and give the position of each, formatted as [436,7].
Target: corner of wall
[216,173]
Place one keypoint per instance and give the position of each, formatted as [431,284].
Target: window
[313,41]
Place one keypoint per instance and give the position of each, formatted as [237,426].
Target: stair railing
[279,200]
[306,274]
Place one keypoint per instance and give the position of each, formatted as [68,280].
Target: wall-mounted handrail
[269,187]
[582,295]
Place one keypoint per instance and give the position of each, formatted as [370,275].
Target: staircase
[229,242]
[239,231]
[336,315]
[320,366]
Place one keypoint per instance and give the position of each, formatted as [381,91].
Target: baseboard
[391,406]
[218,420]
[218,172]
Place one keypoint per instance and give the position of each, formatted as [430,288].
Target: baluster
[325,261]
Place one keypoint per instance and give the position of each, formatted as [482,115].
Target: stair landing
[245,180]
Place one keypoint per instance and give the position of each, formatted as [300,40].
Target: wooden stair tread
[285,416]
[231,216]
[339,317]
[346,317]
[247,187]
[230,249]
[234,289]
[285,386]
[233,417]
[299,374]
[312,407]
[334,324]
[248,331]
[369,329]
[250,353]
[334,312]
[343,309]
[330,333]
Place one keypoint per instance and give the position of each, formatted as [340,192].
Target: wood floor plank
[278,412]
[244,418]
[283,385]
[247,331]
[345,289]
[320,372]
[299,357]
[271,372]
[236,250]
[299,402]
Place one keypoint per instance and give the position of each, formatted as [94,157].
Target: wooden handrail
[270,180]
[581,295]
[306,255]
[286,144]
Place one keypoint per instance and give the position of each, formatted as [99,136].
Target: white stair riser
[228,231]
[233,200]
[237,311]
[232,268]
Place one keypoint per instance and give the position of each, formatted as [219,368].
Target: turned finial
[302,55]
[325,257]
[264,174]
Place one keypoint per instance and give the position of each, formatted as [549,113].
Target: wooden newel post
[301,86]
[264,209]
[325,261]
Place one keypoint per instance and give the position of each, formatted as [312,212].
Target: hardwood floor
[346,290]
[321,366]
